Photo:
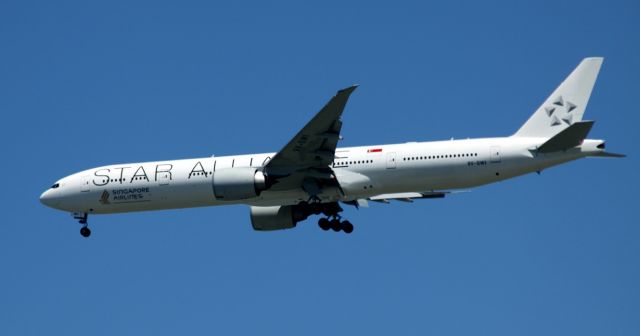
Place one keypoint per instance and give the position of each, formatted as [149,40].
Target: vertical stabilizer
[566,105]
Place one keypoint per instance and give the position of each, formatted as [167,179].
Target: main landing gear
[331,211]
[335,224]
[82,219]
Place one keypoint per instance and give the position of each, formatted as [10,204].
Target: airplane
[310,175]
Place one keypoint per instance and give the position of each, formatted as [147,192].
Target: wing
[315,144]
[410,196]
[407,197]
[307,157]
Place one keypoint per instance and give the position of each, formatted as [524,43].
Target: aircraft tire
[347,227]
[85,232]
[335,225]
[324,224]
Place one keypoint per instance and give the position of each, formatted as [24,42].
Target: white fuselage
[361,171]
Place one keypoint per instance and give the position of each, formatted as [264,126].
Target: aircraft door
[163,174]
[86,183]
[391,160]
[164,178]
[496,154]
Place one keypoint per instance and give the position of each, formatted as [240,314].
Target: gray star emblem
[560,111]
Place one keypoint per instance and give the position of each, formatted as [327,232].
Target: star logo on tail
[560,111]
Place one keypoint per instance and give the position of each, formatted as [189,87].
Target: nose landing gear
[82,219]
[85,232]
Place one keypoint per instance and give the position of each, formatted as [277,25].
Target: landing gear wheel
[85,232]
[347,227]
[324,224]
[335,225]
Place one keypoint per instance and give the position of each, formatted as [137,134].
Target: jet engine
[232,184]
[271,218]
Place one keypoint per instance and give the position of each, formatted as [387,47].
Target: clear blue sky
[84,84]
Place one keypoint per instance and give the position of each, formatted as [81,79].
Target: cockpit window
[55,185]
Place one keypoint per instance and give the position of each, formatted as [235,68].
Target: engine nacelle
[271,218]
[232,184]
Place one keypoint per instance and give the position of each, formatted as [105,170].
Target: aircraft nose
[47,198]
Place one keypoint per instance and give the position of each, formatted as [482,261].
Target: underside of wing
[408,197]
[305,160]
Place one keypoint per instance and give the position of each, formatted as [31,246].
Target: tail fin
[566,104]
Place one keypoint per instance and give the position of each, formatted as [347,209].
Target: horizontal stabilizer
[609,155]
[568,138]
